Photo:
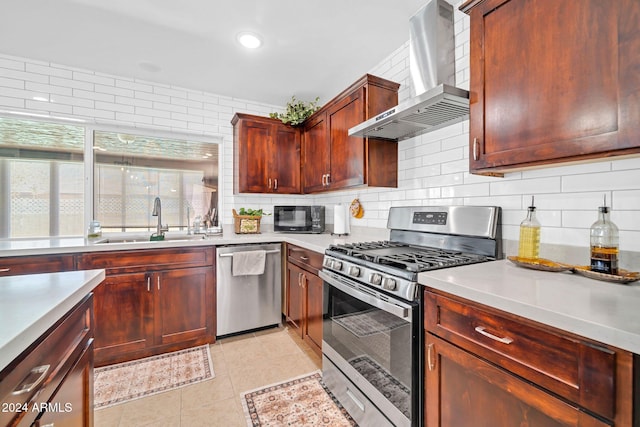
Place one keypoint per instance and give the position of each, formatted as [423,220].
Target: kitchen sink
[140,238]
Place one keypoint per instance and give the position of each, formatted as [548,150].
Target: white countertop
[315,242]
[602,311]
[31,304]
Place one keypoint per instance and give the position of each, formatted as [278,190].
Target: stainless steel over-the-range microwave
[298,219]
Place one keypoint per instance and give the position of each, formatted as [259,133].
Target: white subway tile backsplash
[48,70]
[8,102]
[12,63]
[13,73]
[620,180]
[531,186]
[15,83]
[50,107]
[93,78]
[70,83]
[626,199]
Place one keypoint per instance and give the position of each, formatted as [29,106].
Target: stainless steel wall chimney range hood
[436,101]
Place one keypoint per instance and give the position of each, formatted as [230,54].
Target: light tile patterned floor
[240,363]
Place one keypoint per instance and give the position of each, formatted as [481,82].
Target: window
[130,171]
[43,174]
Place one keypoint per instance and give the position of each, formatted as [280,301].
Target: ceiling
[311,48]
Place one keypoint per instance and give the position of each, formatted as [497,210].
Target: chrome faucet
[157,211]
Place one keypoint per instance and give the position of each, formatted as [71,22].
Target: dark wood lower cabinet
[71,405]
[463,390]
[313,327]
[51,382]
[152,301]
[123,307]
[488,368]
[304,295]
[183,305]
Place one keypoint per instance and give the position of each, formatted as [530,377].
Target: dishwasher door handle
[276,251]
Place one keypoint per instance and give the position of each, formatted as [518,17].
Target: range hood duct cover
[436,102]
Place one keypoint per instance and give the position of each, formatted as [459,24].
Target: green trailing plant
[297,111]
[252,212]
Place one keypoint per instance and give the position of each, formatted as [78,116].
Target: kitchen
[432,168]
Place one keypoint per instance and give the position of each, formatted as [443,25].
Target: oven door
[374,341]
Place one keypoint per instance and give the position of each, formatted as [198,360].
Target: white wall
[433,168]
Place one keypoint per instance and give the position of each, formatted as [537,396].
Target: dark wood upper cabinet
[333,160]
[266,155]
[552,81]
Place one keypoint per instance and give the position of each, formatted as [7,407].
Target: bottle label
[604,260]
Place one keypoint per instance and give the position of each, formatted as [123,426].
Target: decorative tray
[624,276]
[539,264]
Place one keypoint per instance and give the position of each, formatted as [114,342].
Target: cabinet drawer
[146,260]
[13,266]
[305,258]
[572,367]
[32,378]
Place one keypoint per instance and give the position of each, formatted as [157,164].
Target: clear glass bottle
[529,244]
[604,243]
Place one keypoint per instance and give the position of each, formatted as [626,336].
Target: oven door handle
[396,310]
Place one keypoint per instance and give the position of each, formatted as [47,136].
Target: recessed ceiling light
[250,40]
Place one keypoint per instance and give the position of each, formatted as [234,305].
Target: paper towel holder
[340,220]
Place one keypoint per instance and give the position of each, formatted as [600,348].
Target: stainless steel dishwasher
[246,302]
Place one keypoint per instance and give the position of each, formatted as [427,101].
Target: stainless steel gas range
[372,329]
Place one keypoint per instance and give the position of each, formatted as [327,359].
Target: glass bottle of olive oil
[529,244]
[604,243]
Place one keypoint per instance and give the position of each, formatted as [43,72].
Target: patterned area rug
[127,381]
[302,401]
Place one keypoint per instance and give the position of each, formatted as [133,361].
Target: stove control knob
[328,262]
[354,271]
[375,279]
[337,265]
[389,283]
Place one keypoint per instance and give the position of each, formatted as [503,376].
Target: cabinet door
[123,307]
[285,160]
[553,81]
[252,144]
[295,314]
[314,311]
[184,304]
[348,164]
[464,390]
[315,154]
[72,404]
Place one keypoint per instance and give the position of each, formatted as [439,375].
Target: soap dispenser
[604,243]
[529,244]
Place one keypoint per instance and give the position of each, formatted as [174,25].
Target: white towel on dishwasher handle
[248,263]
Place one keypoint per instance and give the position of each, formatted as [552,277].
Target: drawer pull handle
[475,149]
[430,361]
[482,330]
[304,258]
[26,388]
[357,401]
[5,270]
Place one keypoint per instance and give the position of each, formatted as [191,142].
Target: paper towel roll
[341,219]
